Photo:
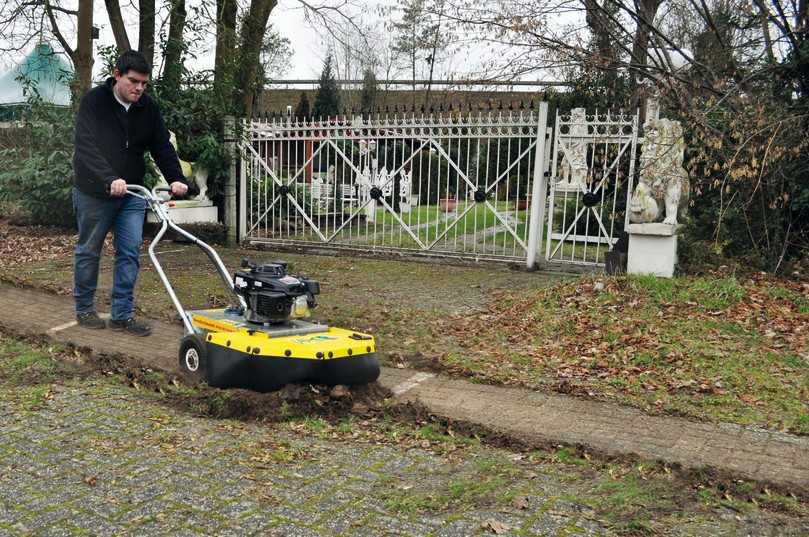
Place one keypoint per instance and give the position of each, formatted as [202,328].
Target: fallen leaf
[339,392]
[495,527]
[520,502]
[359,408]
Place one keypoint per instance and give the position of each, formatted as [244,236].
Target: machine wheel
[193,357]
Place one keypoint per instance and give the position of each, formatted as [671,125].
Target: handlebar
[160,210]
[144,193]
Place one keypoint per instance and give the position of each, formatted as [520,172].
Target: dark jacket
[110,142]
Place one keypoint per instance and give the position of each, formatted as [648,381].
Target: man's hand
[118,188]
[178,189]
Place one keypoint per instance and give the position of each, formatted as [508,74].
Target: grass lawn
[429,222]
[718,348]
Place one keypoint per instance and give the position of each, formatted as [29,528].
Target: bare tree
[410,42]
[146,29]
[175,48]
[83,55]
[226,13]
[23,21]
[334,17]
[255,25]
[437,37]
[117,24]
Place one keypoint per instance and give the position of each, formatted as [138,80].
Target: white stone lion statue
[663,183]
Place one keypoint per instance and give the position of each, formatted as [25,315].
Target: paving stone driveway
[102,459]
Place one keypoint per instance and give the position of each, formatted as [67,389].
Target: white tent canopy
[45,71]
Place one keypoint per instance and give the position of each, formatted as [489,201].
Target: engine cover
[270,292]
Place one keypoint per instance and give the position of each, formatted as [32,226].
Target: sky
[309,42]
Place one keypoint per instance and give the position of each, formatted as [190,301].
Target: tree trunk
[436,39]
[255,25]
[146,30]
[646,11]
[117,23]
[605,55]
[83,54]
[173,59]
[602,28]
[413,66]
[226,11]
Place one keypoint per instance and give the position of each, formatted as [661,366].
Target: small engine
[272,295]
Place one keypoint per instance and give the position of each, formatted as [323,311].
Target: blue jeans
[96,217]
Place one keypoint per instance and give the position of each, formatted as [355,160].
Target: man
[115,125]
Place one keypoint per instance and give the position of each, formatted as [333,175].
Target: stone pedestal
[652,249]
[189,212]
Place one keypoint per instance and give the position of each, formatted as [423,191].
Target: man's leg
[95,218]
[127,238]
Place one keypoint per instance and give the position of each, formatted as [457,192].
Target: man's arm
[165,156]
[86,146]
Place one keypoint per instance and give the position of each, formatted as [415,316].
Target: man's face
[130,86]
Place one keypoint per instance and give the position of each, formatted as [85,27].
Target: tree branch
[117,23]
[56,32]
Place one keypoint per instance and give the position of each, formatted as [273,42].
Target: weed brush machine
[262,343]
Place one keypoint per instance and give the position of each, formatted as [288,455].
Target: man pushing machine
[116,123]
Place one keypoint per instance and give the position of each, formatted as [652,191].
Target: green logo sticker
[313,339]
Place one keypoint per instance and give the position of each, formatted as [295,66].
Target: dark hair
[132,60]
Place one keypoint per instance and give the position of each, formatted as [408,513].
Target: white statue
[663,183]
[193,173]
[574,159]
[384,181]
[320,189]
[405,187]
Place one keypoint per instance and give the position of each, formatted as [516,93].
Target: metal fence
[473,186]
[455,186]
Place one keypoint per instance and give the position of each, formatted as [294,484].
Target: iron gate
[458,186]
[591,181]
[451,186]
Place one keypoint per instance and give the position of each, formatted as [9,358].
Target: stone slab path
[614,430]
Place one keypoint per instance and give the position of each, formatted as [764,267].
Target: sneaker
[131,326]
[90,320]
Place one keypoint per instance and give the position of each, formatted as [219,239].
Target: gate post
[539,189]
[243,181]
[230,184]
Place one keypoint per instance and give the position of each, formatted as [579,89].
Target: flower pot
[446,204]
